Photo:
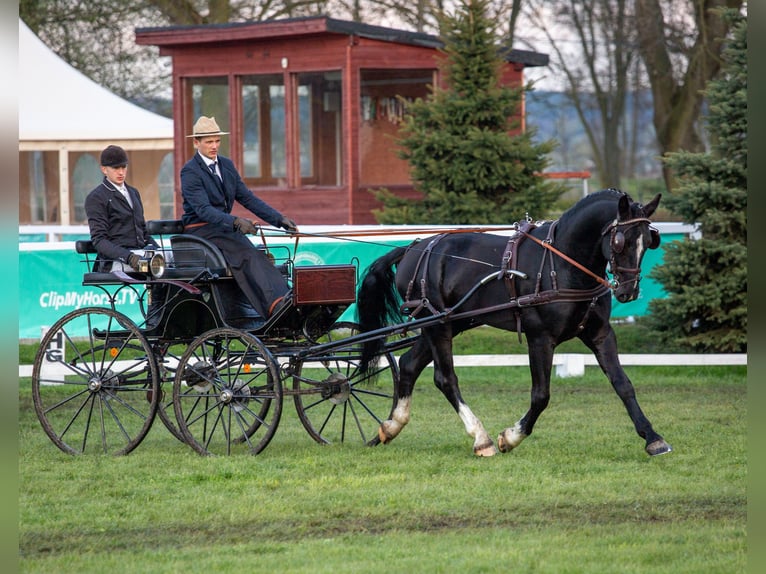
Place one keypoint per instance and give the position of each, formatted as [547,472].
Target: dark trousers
[260,281]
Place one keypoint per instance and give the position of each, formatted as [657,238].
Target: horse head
[625,241]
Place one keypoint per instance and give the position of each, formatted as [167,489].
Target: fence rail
[573,364]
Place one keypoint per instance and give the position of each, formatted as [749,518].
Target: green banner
[50,277]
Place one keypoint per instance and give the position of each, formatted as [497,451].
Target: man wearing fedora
[117,225]
[210,184]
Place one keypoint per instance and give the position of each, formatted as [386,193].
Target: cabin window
[316,141]
[383,99]
[210,97]
[263,129]
[320,128]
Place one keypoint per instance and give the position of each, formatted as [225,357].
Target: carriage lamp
[152,263]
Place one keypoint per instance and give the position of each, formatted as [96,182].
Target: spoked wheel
[334,401]
[95,384]
[227,394]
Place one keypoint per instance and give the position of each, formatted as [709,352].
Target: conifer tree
[466,156]
[706,279]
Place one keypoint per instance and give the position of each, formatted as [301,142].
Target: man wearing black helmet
[116,221]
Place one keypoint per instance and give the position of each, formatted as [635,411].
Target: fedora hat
[206,127]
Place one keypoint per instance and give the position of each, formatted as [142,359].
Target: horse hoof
[384,438]
[485,451]
[658,447]
[510,438]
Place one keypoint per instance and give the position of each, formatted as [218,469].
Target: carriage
[216,373]
[202,360]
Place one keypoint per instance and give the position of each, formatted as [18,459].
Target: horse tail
[377,303]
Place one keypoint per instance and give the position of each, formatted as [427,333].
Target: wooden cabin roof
[168,37]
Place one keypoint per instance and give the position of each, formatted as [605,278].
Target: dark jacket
[207,199]
[115,227]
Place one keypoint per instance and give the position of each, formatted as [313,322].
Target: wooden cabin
[312,106]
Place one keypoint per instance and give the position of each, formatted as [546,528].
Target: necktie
[126,195]
[213,170]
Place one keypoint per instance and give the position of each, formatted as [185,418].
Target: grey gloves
[288,224]
[244,226]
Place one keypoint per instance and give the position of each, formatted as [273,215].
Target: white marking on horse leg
[399,418]
[482,444]
[510,438]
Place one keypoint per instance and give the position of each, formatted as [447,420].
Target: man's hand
[134,260]
[244,226]
[288,224]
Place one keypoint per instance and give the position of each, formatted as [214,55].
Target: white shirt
[209,162]
[124,191]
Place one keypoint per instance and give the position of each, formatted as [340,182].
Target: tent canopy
[59,103]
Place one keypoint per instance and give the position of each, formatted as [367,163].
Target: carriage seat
[164,226]
[192,255]
[86,247]
[203,255]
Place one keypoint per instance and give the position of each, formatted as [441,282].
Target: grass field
[579,495]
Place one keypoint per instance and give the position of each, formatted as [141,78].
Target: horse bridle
[616,230]
[616,245]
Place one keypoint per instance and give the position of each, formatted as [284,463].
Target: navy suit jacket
[208,199]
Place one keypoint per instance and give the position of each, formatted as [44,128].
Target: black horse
[548,281]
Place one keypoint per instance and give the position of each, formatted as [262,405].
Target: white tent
[61,111]
[57,102]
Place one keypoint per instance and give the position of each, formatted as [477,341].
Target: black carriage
[203,360]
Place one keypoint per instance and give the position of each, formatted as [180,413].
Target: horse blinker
[654,242]
[618,241]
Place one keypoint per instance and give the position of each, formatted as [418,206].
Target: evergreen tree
[465,153]
[706,279]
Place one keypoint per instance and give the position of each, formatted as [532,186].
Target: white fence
[573,364]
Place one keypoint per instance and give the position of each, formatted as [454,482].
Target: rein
[569,260]
[546,244]
[351,235]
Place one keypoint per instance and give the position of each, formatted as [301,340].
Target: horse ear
[650,207]
[623,208]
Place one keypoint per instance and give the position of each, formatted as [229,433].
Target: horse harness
[508,273]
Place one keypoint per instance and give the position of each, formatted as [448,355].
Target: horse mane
[610,194]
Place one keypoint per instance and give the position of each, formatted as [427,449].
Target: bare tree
[681,45]
[96,37]
[593,47]
[222,11]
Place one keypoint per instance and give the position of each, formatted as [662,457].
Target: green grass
[632,338]
[579,495]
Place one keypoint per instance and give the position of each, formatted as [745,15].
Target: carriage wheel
[227,394]
[335,402]
[95,384]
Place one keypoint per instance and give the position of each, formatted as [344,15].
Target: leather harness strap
[411,306]
[509,261]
